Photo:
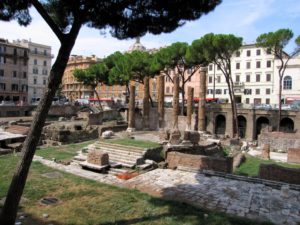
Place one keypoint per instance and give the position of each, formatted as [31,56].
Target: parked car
[7,103]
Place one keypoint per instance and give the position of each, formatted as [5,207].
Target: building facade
[13,72]
[71,88]
[256,77]
[39,66]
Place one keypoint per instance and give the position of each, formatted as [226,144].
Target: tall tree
[181,59]
[218,49]
[276,42]
[65,18]
[92,76]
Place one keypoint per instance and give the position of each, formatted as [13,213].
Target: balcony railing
[238,84]
[46,54]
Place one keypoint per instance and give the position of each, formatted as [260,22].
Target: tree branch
[39,7]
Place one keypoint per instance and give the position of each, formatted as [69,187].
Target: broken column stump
[266,151]
[175,137]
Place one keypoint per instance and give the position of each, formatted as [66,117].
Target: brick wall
[293,155]
[200,162]
[280,140]
[279,173]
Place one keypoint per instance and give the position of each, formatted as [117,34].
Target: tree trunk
[190,107]
[10,208]
[233,108]
[176,102]
[131,109]
[202,100]
[279,105]
[182,98]
[161,101]
[146,105]
[100,106]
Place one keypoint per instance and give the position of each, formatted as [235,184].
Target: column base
[130,129]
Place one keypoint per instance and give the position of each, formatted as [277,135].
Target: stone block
[164,135]
[175,137]
[97,157]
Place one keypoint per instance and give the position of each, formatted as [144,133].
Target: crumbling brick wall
[279,140]
[279,173]
[293,155]
[200,162]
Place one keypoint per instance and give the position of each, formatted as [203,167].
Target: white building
[39,66]
[255,77]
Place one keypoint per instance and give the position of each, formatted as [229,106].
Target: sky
[244,18]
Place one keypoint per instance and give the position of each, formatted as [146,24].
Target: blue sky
[244,18]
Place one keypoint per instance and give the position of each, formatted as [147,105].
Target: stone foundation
[279,173]
[200,162]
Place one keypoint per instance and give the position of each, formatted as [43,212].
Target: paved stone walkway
[241,198]
[281,157]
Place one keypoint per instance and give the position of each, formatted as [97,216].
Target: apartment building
[71,88]
[13,72]
[255,76]
[39,66]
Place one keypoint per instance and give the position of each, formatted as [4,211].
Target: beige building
[71,88]
[39,66]
[13,72]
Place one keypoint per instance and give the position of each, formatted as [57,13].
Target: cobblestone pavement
[241,198]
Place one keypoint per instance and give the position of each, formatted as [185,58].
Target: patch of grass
[133,142]
[63,152]
[84,202]
[251,166]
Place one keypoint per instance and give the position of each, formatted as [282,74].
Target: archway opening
[286,125]
[242,125]
[220,124]
[261,123]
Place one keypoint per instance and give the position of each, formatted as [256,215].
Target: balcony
[39,53]
[238,84]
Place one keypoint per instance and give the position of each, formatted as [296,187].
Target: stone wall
[175,159]
[293,155]
[63,110]
[98,118]
[279,140]
[14,111]
[279,173]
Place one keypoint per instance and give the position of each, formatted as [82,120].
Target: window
[268,91]
[1,73]
[237,78]
[35,50]
[219,79]
[25,53]
[210,79]
[257,64]
[14,87]
[287,83]
[25,62]
[248,53]
[210,67]
[2,86]
[45,52]
[268,63]
[248,78]
[267,101]
[15,61]
[238,54]
[14,73]
[248,65]
[237,66]
[34,91]
[247,101]
[34,81]
[15,51]
[218,91]
[35,70]
[45,72]
[24,74]
[257,77]
[268,78]
[35,61]
[45,63]
[167,89]
[269,51]
[257,91]
[225,91]
[248,91]
[257,51]
[218,67]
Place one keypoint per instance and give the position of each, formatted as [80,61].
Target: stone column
[202,98]
[190,101]
[175,101]
[131,109]
[161,101]
[146,104]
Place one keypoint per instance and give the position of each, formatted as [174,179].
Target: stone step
[116,171]
[120,152]
[128,165]
[127,161]
[117,146]
[80,158]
